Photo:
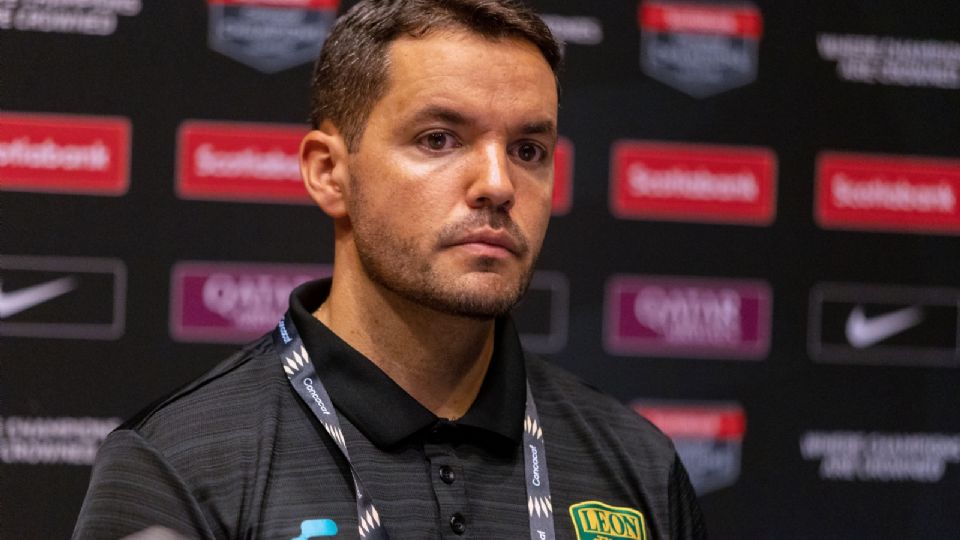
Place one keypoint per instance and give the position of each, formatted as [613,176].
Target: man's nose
[492,184]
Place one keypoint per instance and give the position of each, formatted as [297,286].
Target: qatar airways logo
[240,162]
[65,154]
[710,316]
[893,193]
[232,303]
[661,316]
[698,183]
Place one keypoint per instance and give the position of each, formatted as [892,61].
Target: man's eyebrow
[545,127]
[454,117]
[437,112]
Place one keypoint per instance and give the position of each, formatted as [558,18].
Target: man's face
[449,195]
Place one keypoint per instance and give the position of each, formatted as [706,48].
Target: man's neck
[439,359]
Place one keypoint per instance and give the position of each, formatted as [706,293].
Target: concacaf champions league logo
[270,35]
[708,437]
[701,48]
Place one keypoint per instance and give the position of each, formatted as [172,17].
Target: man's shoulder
[607,420]
[236,394]
[194,455]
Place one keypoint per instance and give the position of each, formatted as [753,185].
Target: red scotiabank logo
[908,194]
[240,162]
[64,154]
[562,177]
[688,182]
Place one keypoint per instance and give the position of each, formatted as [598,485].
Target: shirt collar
[384,412]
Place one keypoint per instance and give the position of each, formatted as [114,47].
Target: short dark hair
[351,72]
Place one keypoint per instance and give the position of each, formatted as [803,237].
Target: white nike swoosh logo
[14,302]
[863,332]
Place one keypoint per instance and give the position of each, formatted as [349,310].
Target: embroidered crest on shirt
[594,520]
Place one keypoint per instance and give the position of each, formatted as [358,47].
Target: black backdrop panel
[771,274]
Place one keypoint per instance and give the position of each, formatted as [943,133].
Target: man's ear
[324,168]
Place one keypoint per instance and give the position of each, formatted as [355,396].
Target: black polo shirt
[238,454]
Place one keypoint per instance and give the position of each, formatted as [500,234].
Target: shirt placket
[447,479]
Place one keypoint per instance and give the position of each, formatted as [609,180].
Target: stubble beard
[396,264]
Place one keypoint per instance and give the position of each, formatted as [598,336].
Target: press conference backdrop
[754,242]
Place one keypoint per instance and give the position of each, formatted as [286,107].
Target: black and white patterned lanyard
[303,377]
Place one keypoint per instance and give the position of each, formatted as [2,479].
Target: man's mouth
[488,242]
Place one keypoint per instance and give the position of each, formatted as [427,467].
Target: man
[394,400]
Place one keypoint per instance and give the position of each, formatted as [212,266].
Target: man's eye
[530,152]
[438,140]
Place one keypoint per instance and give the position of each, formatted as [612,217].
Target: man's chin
[472,304]
[481,297]
[473,293]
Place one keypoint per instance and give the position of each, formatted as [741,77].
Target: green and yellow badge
[594,520]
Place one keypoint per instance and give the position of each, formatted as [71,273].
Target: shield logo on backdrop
[708,437]
[270,35]
[700,48]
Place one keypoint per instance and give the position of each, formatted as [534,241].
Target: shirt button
[457,523]
[447,474]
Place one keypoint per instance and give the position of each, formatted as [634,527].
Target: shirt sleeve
[685,515]
[133,489]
